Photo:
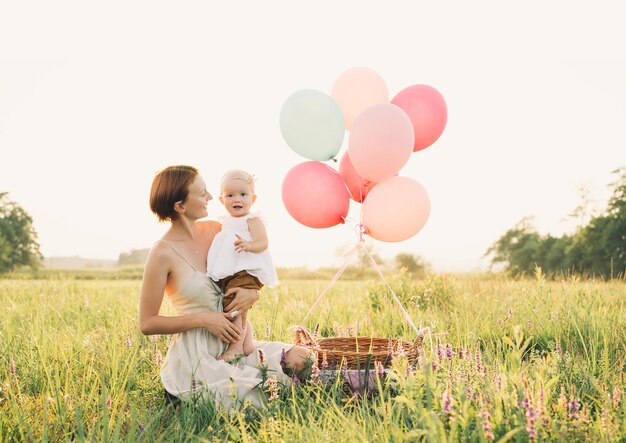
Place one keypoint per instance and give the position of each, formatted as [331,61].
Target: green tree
[518,248]
[361,265]
[133,257]
[18,238]
[597,248]
[605,236]
[413,264]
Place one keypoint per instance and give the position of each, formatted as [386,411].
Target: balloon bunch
[383,135]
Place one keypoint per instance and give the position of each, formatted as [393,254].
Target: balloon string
[342,268]
[357,226]
[361,213]
[377,268]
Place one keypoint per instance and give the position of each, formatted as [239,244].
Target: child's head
[237,192]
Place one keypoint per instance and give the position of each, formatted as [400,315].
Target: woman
[176,266]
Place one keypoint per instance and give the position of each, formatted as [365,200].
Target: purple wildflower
[573,406]
[408,371]
[531,418]
[478,359]
[315,373]
[543,414]
[141,426]
[283,358]
[446,401]
[324,360]
[438,351]
[11,365]
[295,380]
[380,370]
[468,353]
[449,351]
[261,356]
[562,402]
[193,384]
[272,387]
[603,415]
[128,342]
[461,353]
[487,427]
[617,397]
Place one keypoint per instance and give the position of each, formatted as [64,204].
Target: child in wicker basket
[238,256]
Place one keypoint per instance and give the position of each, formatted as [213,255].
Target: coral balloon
[315,195]
[312,124]
[356,90]
[395,209]
[427,110]
[381,142]
[357,186]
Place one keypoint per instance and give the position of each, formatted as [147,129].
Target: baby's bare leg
[248,340]
[235,349]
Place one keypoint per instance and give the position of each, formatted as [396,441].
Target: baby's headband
[238,175]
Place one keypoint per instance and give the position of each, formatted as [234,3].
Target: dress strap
[212,229]
[181,255]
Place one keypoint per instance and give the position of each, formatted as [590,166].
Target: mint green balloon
[312,124]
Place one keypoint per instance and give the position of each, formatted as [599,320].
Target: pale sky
[96,98]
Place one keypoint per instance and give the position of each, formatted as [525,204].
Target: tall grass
[509,360]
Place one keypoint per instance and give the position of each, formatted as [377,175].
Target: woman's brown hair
[168,187]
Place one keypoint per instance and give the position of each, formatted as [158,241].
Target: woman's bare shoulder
[160,254]
[209,225]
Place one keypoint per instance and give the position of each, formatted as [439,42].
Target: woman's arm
[151,297]
[259,241]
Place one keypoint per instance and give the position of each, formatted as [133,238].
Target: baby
[238,256]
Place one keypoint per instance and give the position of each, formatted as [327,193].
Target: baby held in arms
[239,255]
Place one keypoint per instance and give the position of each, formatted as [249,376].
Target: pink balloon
[381,142]
[395,209]
[357,186]
[427,110]
[357,89]
[315,195]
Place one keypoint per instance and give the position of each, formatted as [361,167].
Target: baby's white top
[223,260]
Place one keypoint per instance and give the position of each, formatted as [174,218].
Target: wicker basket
[358,352]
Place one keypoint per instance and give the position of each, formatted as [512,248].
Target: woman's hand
[244,299]
[219,324]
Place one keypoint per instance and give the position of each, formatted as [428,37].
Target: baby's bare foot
[248,349]
[232,354]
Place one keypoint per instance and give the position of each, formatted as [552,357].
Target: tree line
[596,249]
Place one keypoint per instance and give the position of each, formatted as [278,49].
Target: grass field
[510,360]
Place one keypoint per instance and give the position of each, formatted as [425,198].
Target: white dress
[223,261]
[191,367]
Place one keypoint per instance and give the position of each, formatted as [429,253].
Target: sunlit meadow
[507,359]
